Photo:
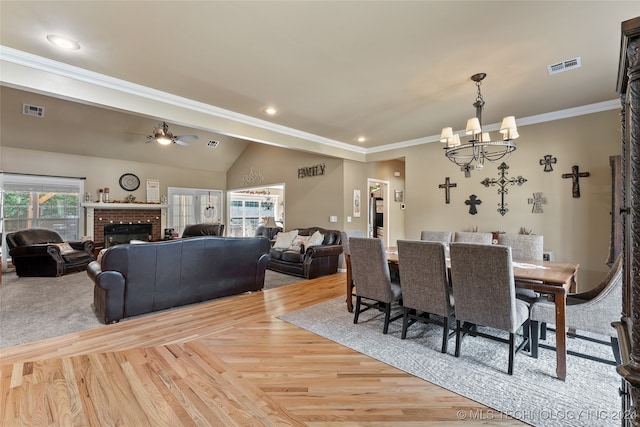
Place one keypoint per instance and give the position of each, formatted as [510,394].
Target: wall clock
[129,182]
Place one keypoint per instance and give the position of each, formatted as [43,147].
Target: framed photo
[398,196]
[356,203]
[153,191]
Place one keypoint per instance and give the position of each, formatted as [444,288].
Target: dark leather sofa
[133,279]
[309,262]
[40,252]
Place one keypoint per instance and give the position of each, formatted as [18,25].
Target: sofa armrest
[108,292]
[323,250]
[84,245]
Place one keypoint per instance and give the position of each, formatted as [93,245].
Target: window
[29,201]
[250,207]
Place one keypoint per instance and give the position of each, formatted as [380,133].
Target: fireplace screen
[117,234]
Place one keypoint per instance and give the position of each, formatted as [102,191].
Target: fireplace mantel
[124,206]
[93,209]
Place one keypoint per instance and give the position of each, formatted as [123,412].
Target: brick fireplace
[97,215]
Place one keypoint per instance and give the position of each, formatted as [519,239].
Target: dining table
[553,279]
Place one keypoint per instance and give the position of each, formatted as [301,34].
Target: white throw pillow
[316,239]
[284,240]
[297,243]
[64,247]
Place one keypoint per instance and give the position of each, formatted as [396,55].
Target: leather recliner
[204,229]
[40,252]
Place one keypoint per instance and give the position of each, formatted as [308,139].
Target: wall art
[502,182]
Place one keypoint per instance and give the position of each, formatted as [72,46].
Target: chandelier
[472,154]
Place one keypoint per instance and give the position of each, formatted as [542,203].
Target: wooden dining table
[554,279]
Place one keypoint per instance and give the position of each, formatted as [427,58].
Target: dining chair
[346,250]
[436,236]
[484,293]
[473,237]
[372,280]
[524,247]
[592,311]
[425,286]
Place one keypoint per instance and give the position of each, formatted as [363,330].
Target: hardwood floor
[228,362]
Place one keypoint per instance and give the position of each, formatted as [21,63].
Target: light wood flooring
[228,362]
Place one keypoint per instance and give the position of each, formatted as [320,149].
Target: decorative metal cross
[537,201]
[547,161]
[472,202]
[502,183]
[447,185]
[575,175]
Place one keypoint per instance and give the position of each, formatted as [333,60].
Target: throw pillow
[316,239]
[298,242]
[64,247]
[284,240]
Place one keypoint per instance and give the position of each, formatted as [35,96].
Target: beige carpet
[35,308]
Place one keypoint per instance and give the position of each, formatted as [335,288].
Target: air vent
[567,65]
[32,110]
[213,143]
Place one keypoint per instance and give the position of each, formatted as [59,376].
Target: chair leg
[616,350]
[535,330]
[405,322]
[387,317]
[512,352]
[543,331]
[458,338]
[445,334]
[357,313]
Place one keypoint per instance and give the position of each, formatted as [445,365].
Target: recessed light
[270,110]
[361,139]
[63,42]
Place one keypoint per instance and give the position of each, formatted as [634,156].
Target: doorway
[252,207]
[378,208]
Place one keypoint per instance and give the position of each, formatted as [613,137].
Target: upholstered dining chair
[372,280]
[473,237]
[436,236]
[524,247]
[484,292]
[425,286]
[592,311]
[346,250]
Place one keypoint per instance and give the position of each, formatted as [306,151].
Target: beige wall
[100,172]
[577,230]
[308,201]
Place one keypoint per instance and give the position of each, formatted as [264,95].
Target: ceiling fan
[163,136]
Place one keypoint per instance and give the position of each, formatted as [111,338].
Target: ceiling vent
[32,110]
[567,65]
[213,143]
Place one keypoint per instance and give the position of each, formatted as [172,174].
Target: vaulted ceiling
[393,72]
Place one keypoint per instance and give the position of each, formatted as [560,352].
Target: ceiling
[394,72]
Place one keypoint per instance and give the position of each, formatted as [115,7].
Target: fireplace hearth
[117,234]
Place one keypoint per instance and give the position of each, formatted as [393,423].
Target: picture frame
[398,196]
[356,203]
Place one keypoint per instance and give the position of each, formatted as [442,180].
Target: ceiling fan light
[163,140]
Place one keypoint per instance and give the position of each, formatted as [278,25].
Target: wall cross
[537,201]
[472,202]
[575,176]
[548,161]
[502,183]
[447,185]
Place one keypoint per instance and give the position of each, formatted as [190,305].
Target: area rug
[35,308]
[533,394]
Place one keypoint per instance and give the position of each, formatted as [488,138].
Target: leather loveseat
[203,229]
[308,261]
[40,252]
[133,279]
